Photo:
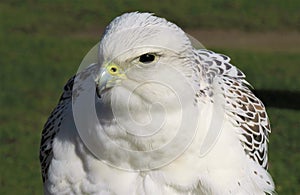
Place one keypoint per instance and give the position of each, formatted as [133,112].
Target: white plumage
[213,131]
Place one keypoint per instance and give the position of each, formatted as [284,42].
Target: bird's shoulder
[245,110]
[52,127]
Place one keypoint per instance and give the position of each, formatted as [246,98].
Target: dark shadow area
[279,99]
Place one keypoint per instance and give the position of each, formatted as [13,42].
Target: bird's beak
[109,76]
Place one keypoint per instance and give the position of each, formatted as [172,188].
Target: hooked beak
[109,76]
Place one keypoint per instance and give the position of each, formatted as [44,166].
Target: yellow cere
[112,69]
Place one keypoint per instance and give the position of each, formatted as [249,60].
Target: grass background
[42,44]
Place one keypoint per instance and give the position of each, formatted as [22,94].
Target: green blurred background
[43,42]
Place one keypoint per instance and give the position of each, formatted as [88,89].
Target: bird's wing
[53,124]
[243,107]
[52,127]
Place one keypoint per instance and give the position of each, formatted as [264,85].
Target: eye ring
[147,58]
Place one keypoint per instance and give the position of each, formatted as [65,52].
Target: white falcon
[156,115]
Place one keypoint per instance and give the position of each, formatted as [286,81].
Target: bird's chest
[74,170]
[87,175]
[121,182]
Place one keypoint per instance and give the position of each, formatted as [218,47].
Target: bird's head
[137,52]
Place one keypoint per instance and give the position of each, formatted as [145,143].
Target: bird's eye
[147,58]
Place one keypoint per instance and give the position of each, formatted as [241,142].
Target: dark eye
[147,58]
